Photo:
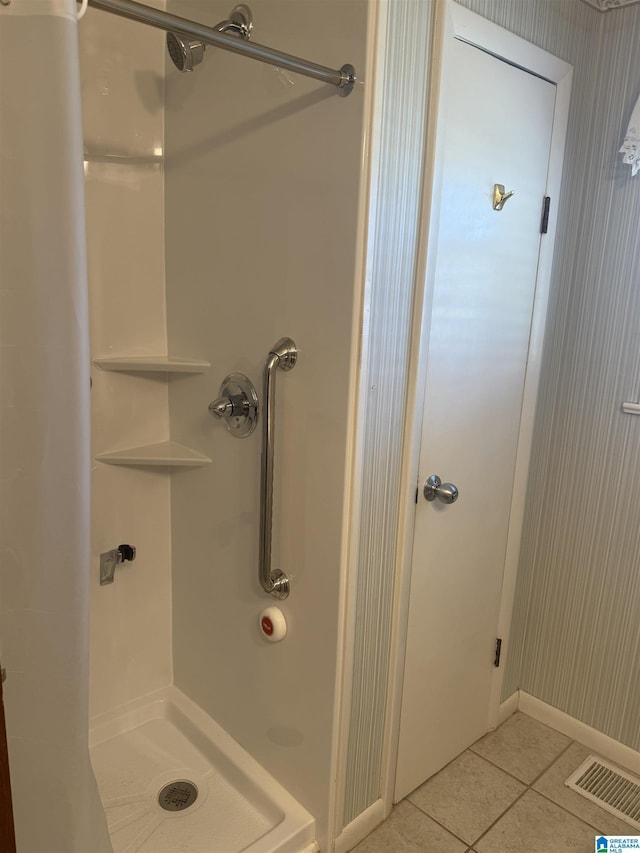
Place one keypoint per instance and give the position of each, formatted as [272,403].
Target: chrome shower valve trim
[237,405]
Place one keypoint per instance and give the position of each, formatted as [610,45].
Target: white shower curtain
[44,432]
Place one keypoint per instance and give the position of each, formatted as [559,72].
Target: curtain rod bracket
[348,81]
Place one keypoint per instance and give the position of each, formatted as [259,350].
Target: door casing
[455,22]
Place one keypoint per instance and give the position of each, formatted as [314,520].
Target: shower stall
[222,215]
[225,210]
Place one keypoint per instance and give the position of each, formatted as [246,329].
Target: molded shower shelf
[151,364]
[164,453]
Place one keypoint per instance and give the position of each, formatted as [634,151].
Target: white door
[498,122]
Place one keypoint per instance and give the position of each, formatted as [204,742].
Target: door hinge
[546,204]
[417,492]
[496,661]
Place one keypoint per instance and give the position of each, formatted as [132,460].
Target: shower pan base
[165,738]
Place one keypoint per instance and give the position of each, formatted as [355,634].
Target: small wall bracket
[110,559]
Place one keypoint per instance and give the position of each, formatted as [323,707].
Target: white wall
[122,91]
[261,213]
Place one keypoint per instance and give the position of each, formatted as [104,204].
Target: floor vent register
[613,789]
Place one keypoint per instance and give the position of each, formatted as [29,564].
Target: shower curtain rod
[344,78]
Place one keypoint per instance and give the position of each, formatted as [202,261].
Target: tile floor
[505,794]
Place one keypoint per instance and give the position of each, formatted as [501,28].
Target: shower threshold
[163,749]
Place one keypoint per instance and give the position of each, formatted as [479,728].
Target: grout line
[593,826]
[596,829]
[517,778]
[558,756]
[497,766]
[528,786]
[499,818]
[544,796]
[522,782]
[558,805]
[441,825]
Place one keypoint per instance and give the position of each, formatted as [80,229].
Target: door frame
[456,22]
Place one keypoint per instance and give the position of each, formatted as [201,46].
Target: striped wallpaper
[391,273]
[575,637]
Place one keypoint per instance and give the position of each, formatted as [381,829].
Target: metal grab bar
[282,355]
[344,78]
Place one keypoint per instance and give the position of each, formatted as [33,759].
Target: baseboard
[508,708]
[600,743]
[604,745]
[360,827]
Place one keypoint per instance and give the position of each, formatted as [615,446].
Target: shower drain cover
[178,795]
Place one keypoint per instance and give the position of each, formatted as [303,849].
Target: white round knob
[272,624]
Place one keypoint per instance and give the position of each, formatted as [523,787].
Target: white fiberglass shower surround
[221,216]
[242,215]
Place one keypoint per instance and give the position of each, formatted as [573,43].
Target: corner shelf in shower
[166,454]
[151,364]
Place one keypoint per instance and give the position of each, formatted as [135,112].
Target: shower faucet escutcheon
[237,405]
